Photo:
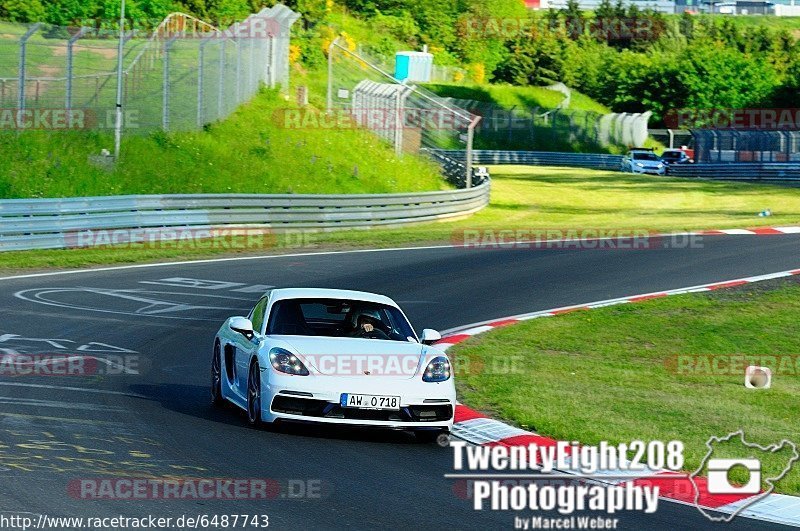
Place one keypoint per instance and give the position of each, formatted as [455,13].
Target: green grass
[583,102]
[251,152]
[611,373]
[509,96]
[531,198]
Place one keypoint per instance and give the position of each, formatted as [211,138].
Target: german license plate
[370,401]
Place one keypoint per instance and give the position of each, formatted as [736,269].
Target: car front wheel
[254,394]
[216,376]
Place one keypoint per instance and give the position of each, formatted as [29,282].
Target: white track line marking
[787,230]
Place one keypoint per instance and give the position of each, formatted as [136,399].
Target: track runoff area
[505,468]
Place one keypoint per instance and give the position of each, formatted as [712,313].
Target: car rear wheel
[216,376]
[254,395]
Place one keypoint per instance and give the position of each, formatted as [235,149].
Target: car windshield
[672,155]
[644,156]
[339,318]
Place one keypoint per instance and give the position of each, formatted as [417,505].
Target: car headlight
[438,370]
[660,166]
[286,362]
[639,164]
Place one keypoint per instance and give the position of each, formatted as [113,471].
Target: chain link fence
[180,76]
[407,116]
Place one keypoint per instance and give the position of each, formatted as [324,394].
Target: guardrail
[739,171]
[598,161]
[728,171]
[454,168]
[59,223]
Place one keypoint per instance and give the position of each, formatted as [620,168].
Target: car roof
[327,293]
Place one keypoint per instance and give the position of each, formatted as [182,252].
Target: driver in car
[367,324]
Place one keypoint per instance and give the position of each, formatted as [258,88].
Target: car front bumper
[317,399]
[650,171]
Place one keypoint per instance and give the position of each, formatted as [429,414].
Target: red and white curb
[457,335]
[478,429]
[761,231]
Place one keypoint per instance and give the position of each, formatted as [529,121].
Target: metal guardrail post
[23,48]
[70,45]
[165,85]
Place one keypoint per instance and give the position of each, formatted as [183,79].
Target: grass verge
[510,96]
[246,153]
[523,198]
[665,369]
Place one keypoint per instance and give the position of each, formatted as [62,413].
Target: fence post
[165,85]
[399,121]
[238,63]
[201,58]
[470,138]
[23,46]
[251,68]
[70,45]
[221,91]
[273,61]
[331,47]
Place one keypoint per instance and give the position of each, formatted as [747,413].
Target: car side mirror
[430,336]
[242,325]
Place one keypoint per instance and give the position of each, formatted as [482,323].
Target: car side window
[258,315]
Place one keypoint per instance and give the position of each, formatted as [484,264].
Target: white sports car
[333,356]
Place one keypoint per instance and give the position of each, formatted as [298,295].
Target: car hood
[356,357]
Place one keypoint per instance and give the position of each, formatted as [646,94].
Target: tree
[574,19]
[686,25]
[22,10]
[605,10]
[533,61]
[787,94]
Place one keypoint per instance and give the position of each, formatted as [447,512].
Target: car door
[245,348]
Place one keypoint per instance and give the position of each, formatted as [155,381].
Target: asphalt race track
[56,430]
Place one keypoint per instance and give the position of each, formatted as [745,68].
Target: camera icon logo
[718,475]
[719,482]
